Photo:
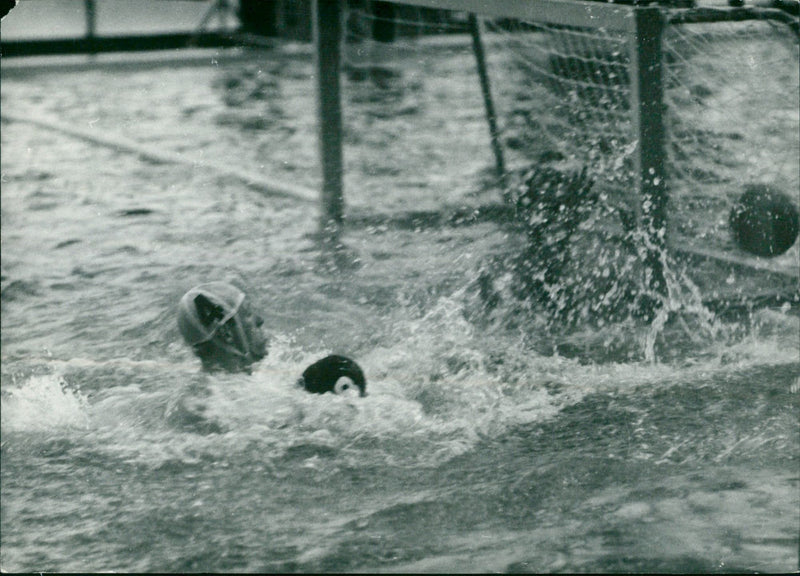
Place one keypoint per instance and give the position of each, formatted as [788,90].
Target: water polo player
[217,321]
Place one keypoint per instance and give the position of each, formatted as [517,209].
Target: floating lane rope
[254,180]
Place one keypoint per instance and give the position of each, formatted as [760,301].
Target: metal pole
[91,25]
[327,33]
[647,94]
[491,116]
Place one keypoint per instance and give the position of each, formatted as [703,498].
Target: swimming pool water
[482,446]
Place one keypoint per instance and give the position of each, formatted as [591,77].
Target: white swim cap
[205,308]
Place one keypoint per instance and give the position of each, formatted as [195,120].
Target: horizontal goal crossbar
[611,17]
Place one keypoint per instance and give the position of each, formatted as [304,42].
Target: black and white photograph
[421,286]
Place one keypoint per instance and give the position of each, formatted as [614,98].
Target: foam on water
[43,403]
[440,390]
[436,385]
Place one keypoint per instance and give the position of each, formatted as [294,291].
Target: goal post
[647,109]
[640,27]
[326,30]
[657,103]
[611,17]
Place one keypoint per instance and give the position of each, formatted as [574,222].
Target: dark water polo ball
[764,221]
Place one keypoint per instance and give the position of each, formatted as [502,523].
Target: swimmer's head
[334,373]
[215,319]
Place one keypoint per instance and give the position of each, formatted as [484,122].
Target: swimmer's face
[237,344]
[251,324]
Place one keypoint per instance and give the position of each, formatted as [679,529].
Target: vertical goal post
[326,30]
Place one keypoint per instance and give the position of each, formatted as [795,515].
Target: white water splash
[43,403]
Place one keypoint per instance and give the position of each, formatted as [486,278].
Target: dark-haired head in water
[218,322]
[336,374]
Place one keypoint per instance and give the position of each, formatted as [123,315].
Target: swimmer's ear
[207,310]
